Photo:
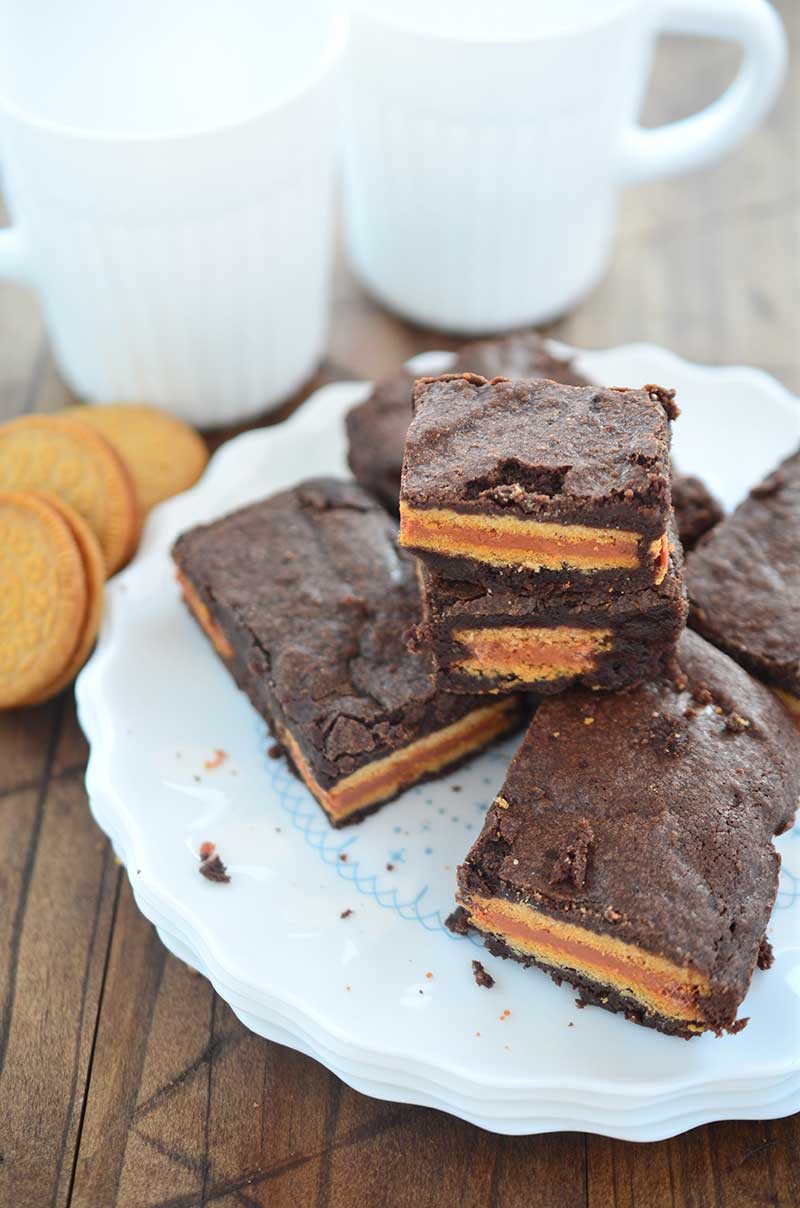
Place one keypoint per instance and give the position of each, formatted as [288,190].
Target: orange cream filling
[658,984]
[791,702]
[383,778]
[533,544]
[525,654]
[204,618]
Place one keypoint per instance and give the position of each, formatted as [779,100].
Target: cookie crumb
[216,760]
[482,978]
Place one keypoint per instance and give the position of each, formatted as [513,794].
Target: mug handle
[707,135]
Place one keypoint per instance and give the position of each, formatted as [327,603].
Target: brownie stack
[542,517]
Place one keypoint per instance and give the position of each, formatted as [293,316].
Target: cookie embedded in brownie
[501,640]
[629,851]
[528,481]
[307,599]
[696,509]
[376,428]
[744,583]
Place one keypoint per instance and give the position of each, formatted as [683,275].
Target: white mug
[487,143]
[168,167]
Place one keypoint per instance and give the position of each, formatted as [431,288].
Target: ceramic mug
[487,144]
[168,167]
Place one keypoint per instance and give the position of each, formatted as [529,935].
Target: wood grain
[124,1080]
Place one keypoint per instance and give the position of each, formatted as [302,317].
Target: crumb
[458,921]
[420,991]
[343,856]
[390,867]
[482,978]
[207,850]
[277,830]
[348,987]
[570,1024]
[214,870]
[504,1016]
[429,976]
[766,956]
[588,721]
[216,761]
[346,913]
[477,1033]
[275,751]
[455,788]
[197,778]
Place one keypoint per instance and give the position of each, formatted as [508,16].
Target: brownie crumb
[766,956]
[572,862]
[211,867]
[736,1027]
[482,978]
[668,734]
[343,857]
[275,751]
[458,921]
[702,694]
[346,913]
[390,867]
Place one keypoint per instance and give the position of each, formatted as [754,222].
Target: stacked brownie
[541,514]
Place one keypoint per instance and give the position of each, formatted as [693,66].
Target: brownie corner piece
[610,858]
[307,599]
[534,477]
[743,580]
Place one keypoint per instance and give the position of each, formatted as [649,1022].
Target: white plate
[385,997]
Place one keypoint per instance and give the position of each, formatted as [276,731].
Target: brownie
[629,851]
[528,481]
[307,599]
[696,509]
[744,583]
[376,429]
[544,641]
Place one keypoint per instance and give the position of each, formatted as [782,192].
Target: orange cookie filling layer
[533,544]
[204,618]
[792,703]
[658,984]
[383,778]
[526,654]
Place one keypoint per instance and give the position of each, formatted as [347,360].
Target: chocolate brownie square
[532,481]
[629,851]
[744,583]
[307,599]
[376,428]
[501,640]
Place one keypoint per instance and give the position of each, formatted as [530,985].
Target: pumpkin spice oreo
[164,455]
[64,457]
[43,589]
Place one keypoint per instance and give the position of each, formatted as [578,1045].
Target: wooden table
[124,1080]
